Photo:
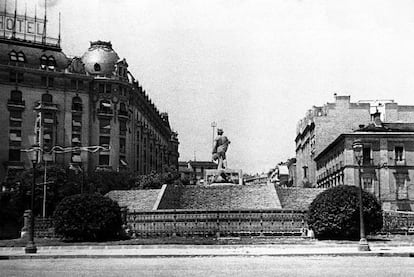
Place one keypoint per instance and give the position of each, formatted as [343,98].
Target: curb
[151,256]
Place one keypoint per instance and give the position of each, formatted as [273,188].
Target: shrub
[334,213]
[88,217]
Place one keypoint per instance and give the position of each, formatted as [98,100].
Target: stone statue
[221,143]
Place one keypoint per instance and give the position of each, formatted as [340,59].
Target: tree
[88,217]
[334,213]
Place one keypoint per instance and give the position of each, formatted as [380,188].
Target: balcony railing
[16,104]
[46,106]
[400,162]
[123,114]
[105,112]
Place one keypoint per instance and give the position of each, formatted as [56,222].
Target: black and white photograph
[206,138]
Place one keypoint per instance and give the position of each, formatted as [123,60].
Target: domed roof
[100,59]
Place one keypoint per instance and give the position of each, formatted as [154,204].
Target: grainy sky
[253,66]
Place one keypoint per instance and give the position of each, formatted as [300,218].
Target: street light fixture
[357,146]
[32,154]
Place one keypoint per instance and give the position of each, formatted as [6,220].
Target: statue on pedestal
[221,143]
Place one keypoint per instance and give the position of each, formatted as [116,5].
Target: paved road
[212,266]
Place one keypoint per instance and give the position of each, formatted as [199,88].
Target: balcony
[16,104]
[46,106]
[105,112]
[123,114]
[400,162]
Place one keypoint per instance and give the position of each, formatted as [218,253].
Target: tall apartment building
[92,100]
[322,125]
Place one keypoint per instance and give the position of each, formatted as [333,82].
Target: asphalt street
[212,266]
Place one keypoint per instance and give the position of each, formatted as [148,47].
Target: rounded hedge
[334,213]
[88,217]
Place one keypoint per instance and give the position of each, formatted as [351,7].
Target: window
[76,123]
[401,186]
[73,84]
[51,63]
[108,88]
[51,82]
[122,143]
[76,139]
[14,155]
[15,118]
[122,127]
[104,141]
[80,84]
[15,138]
[16,77]
[16,96]
[305,172]
[47,98]
[367,184]
[97,67]
[43,62]
[43,81]
[21,57]
[13,56]
[122,109]
[77,104]
[48,118]
[104,126]
[101,88]
[366,155]
[399,153]
[105,107]
[103,159]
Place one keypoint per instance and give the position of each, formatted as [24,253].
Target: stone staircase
[297,198]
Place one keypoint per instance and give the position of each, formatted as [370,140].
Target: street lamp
[357,146]
[33,156]
[213,125]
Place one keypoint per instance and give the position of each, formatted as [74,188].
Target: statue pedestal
[214,176]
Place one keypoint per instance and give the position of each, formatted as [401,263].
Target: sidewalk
[152,251]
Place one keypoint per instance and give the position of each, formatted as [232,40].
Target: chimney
[377,119]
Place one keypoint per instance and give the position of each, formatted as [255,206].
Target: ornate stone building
[387,166]
[322,125]
[92,100]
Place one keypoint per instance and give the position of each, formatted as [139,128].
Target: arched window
[77,104]
[21,57]
[47,98]
[122,109]
[43,62]
[105,106]
[16,96]
[13,56]
[97,67]
[51,63]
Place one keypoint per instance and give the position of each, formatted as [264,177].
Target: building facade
[324,124]
[92,100]
[387,166]
[195,171]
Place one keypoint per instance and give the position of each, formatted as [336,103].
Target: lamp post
[213,125]
[357,146]
[33,156]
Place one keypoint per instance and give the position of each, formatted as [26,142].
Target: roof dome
[100,59]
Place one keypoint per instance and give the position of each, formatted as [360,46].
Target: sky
[253,66]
